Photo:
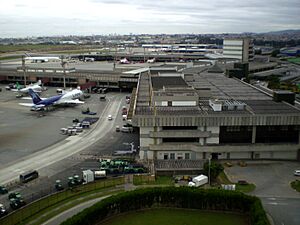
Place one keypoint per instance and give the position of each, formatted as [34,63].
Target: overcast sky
[21,18]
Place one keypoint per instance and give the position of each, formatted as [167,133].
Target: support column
[253,134]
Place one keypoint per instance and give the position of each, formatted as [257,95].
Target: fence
[50,200]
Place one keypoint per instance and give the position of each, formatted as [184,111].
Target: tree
[215,169]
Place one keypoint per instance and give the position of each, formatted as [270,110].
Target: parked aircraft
[69,98]
[41,58]
[35,87]
[151,60]
[124,61]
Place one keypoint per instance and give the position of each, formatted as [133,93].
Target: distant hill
[283,32]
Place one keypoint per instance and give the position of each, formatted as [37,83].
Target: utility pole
[24,69]
[115,58]
[63,64]
[209,159]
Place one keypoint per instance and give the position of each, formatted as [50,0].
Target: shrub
[183,197]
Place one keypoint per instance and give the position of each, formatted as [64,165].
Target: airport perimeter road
[272,180]
[67,147]
[73,211]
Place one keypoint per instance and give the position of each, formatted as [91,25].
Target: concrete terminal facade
[206,115]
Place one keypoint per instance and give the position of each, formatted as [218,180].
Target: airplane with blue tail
[69,98]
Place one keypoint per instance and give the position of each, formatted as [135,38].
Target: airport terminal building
[195,116]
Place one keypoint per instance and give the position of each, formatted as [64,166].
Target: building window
[187,155]
[166,156]
[172,155]
[233,129]
[179,156]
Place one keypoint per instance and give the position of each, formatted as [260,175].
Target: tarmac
[24,132]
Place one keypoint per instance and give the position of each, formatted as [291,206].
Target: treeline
[183,197]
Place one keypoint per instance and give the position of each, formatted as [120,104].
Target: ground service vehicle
[58,185]
[87,176]
[3,190]
[28,176]
[3,211]
[200,180]
[100,174]
[16,203]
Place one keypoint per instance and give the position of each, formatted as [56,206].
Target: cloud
[35,17]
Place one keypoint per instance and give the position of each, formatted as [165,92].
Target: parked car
[117,128]
[297,172]
[109,117]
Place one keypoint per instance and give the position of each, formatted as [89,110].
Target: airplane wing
[31,105]
[29,98]
[15,90]
[76,101]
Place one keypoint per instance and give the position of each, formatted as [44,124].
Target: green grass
[296,185]
[223,179]
[246,188]
[294,60]
[54,210]
[10,57]
[170,216]
[160,180]
[38,208]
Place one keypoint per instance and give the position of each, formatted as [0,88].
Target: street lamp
[209,160]
[24,69]
[63,64]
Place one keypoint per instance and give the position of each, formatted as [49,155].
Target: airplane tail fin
[39,82]
[35,98]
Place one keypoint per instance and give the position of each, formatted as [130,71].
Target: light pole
[24,69]
[63,64]
[209,159]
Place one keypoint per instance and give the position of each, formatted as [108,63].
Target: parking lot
[272,180]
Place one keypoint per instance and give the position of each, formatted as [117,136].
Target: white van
[125,129]
[297,173]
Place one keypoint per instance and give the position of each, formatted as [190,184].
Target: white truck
[200,180]
[100,174]
[88,176]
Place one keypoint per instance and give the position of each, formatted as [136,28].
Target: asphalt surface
[24,132]
[65,148]
[272,180]
[73,154]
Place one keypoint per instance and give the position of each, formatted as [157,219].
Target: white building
[241,49]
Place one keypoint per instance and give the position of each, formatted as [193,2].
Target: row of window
[178,156]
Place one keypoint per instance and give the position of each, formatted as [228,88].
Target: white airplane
[41,58]
[124,61]
[35,87]
[151,60]
[69,98]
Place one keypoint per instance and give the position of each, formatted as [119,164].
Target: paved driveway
[272,180]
